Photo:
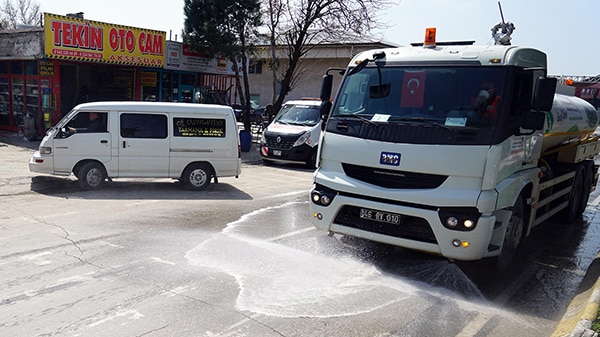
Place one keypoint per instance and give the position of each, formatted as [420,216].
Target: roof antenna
[506,29]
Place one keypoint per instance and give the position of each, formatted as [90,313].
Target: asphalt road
[144,257]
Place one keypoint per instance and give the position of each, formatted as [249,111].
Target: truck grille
[392,178]
[410,227]
[280,142]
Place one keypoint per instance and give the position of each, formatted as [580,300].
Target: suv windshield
[299,114]
[448,96]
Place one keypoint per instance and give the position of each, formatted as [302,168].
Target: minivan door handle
[104,141]
[124,144]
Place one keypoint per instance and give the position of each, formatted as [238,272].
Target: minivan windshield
[448,96]
[298,114]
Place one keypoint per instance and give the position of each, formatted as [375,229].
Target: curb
[583,309]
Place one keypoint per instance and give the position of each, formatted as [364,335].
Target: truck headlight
[322,196]
[459,219]
[45,150]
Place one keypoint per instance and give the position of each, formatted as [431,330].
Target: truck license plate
[277,153]
[370,214]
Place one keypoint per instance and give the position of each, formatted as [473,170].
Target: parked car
[293,135]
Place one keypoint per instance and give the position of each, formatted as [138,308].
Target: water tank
[571,118]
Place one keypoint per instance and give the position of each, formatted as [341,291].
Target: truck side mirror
[534,120]
[324,112]
[543,96]
[326,87]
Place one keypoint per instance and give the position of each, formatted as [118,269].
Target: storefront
[192,77]
[100,61]
[49,70]
[46,71]
[25,81]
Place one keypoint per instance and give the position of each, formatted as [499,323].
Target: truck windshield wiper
[365,120]
[429,122]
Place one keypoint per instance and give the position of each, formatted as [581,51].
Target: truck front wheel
[513,236]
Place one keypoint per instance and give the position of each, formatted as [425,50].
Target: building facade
[311,68]
[46,71]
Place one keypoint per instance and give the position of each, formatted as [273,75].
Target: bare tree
[275,11]
[304,24]
[14,13]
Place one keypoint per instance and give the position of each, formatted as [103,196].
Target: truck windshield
[299,114]
[451,97]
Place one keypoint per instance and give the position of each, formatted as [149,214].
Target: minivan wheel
[91,176]
[197,176]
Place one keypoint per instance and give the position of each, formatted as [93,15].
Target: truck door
[143,145]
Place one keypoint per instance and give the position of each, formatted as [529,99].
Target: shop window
[4,101]
[3,67]
[188,79]
[16,67]
[31,68]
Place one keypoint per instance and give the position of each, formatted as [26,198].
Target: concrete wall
[22,43]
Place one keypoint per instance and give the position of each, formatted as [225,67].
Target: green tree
[224,28]
[25,12]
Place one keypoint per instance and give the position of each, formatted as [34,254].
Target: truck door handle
[124,145]
[104,142]
[342,126]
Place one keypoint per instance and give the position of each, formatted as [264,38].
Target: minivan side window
[88,122]
[143,126]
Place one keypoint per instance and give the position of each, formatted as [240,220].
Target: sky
[564,29]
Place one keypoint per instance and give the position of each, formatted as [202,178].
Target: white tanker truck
[452,149]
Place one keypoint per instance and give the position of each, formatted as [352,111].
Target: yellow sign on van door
[84,40]
[199,127]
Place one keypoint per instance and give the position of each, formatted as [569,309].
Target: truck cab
[440,148]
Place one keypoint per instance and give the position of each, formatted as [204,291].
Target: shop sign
[77,39]
[149,78]
[180,57]
[46,68]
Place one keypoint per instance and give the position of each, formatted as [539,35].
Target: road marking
[290,234]
[159,260]
[230,331]
[512,289]
[282,195]
[595,202]
[474,326]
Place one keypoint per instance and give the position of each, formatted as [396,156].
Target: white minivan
[293,136]
[95,141]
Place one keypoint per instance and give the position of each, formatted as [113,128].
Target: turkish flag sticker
[413,88]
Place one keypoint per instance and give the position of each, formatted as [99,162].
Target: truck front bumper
[418,228]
